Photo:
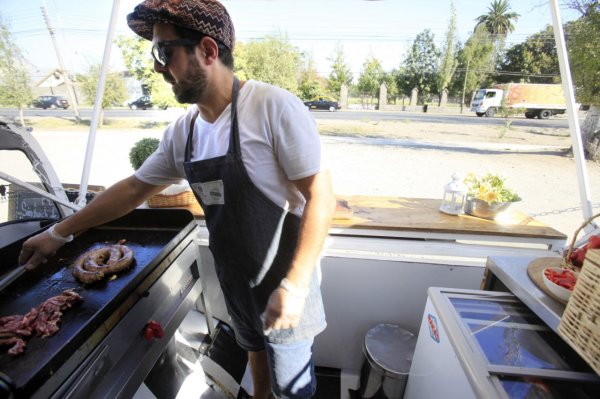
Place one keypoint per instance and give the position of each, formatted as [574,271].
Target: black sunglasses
[161,56]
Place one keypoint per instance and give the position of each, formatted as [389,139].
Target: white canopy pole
[31,187]
[567,84]
[81,199]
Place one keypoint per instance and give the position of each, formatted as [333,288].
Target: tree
[584,53]
[448,62]
[114,89]
[370,78]
[136,56]
[341,74]
[390,79]
[272,60]
[15,87]
[535,56]
[476,63]
[421,66]
[310,85]
[137,59]
[499,20]
[583,6]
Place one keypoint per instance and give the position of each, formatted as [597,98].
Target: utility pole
[70,90]
[462,103]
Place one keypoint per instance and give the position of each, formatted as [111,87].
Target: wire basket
[566,261]
[580,322]
[183,198]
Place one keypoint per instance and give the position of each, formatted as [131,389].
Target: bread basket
[580,322]
[183,198]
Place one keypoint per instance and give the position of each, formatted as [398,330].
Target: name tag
[211,193]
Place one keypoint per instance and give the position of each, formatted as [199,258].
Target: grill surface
[151,233]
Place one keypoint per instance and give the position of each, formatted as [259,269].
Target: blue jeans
[292,369]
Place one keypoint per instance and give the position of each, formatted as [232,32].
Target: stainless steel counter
[511,271]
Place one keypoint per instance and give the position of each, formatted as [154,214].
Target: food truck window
[18,203]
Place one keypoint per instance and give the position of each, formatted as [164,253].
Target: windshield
[403,79]
[480,95]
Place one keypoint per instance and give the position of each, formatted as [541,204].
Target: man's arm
[118,200]
[286,304]
[314,226]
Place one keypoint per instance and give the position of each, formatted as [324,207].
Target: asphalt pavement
[448,116]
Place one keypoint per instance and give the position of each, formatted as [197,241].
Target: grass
[51,123]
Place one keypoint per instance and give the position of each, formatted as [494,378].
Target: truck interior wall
[360,293]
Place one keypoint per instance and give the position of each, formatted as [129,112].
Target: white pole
[567,84]
[81,200]
[31,187]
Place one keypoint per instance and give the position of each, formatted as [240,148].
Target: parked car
[322,103]
[52,102]
[144,102]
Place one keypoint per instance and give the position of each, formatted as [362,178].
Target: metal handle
[12,276]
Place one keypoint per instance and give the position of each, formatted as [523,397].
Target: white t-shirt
[278,138]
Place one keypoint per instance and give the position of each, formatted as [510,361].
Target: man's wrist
[292,289]
[57,237]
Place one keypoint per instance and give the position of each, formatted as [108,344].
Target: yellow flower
[483,190]
[490,197]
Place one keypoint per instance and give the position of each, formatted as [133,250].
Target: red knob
[153,330]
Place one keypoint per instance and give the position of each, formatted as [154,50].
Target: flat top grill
[151,234]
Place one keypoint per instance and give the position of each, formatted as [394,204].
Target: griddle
[151,233]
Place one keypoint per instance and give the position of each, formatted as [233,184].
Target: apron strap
[234,136]
[188,144]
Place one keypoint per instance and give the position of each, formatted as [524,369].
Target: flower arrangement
[490,188]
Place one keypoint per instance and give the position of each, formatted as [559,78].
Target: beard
[192,87]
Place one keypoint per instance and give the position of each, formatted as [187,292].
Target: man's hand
[284,308]
[37,249]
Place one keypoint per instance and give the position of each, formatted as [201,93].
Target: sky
[381,29]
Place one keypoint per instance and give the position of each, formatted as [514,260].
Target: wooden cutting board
[342,210]
[535,270]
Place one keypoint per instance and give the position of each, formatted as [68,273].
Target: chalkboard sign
[27,205]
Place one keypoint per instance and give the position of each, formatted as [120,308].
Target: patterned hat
[206,16]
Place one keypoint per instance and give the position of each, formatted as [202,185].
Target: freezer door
[508,334]
[503,349]
[531,387]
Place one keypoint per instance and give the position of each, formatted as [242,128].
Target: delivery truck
[536,100]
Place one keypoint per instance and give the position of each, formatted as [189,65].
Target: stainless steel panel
[120,363]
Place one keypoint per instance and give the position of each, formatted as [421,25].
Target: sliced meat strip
[44,320]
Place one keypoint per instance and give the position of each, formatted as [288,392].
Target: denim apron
[252,241]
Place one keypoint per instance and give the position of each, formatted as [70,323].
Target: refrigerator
[484,344]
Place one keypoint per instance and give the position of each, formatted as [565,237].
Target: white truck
[536,100]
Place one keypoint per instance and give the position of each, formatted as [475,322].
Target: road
[467,118]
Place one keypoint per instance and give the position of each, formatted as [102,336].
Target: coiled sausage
[96,264]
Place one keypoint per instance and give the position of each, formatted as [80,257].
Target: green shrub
[142,150]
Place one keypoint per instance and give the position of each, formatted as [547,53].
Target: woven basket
[580,323]
[566,261]
[166,201]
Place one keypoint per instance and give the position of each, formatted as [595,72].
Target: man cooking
[251,153]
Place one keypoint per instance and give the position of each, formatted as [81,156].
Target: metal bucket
[389,351]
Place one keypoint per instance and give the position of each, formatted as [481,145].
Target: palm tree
[499,19]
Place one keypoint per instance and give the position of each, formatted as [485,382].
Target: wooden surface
[423,215]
